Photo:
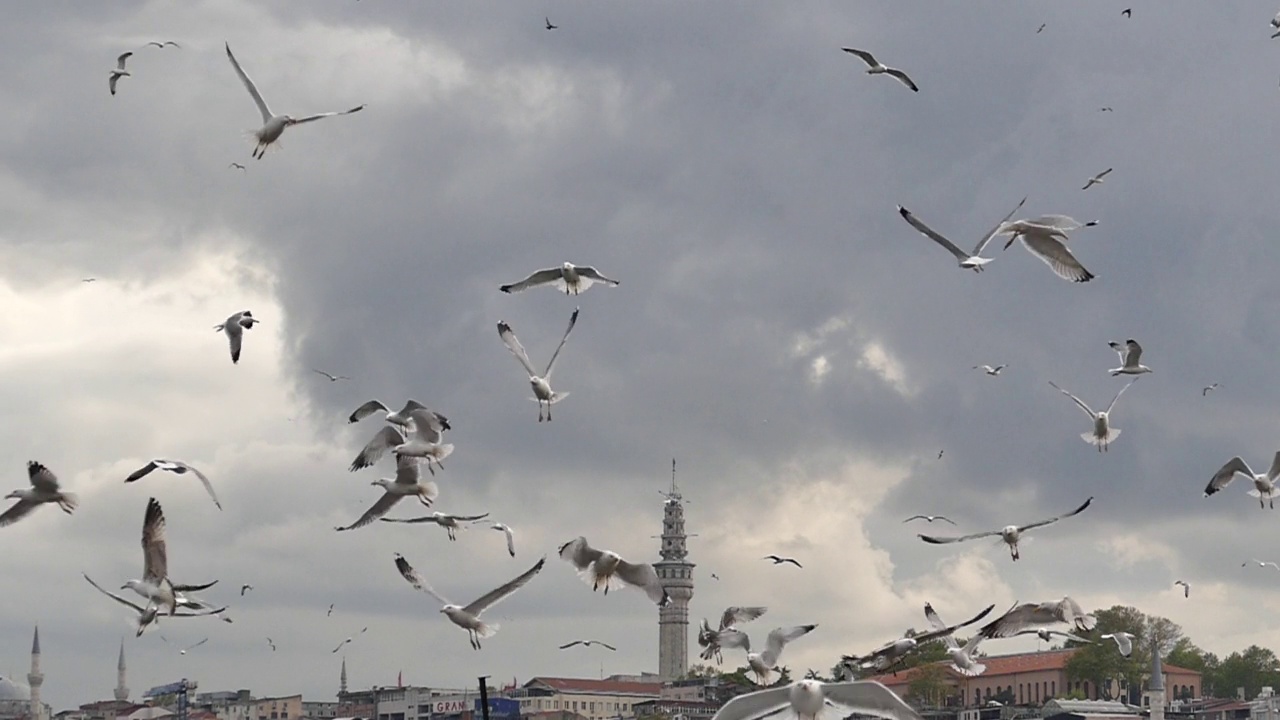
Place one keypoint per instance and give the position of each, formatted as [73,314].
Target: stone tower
[676,574]
[1155,686]
[342,679]
[122,690]
[35,678]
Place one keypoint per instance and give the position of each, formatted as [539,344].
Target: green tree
[929,686]
[1251,669]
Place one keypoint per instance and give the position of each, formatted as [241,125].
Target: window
[1053,687]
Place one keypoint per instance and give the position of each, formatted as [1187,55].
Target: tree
[929,686]
[699,670]
[1251,669]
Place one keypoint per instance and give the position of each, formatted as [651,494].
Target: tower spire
[676,575]
[342,679]
[35,678]
[122,690]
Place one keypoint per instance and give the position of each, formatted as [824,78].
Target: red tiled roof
[998,665]
[603,687]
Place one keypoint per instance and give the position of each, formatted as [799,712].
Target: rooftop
[998,665]
[602,687]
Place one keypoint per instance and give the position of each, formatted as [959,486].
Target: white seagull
[511,536]
[1204,391]
[234,328]
[992,371]
[929,518]
[1264,486]
[331,376]
[887,655]
[1130,355]
[763,663]
[1046,238]
[568,278]
[1124,641]
[1186,588]
[177,467]
[44,489]
[184,650]
[1034,616]
[408,482]
[588,643]
[1048,635]
[163,45]
[816,700]
[1261,563]
[273,125]
[119,72]
[962,658]
[245,587]
[973,261]
[605,568]
[1008,534]
[402,417]
[155,584]
[468,617]
[542,392]
[148,615]
[875,67]
[444,520]
[422,441]
[1103,433]
[727,635]
[1096,179]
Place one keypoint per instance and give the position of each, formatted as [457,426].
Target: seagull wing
[1227,473]
[942,540]
[408,470]
[469,518]
[1117,397]
[428,424]
[380,508]
[253,89]
[366,410]
[540,277]
[155,562]
[1103,174]
[604,644]
[42,478]
[511,538]
[734,615]
[192,647]
[573,320]
[588,271]
[416,580]
[1088,411]
[866,698]
[1017,619]
[1275,467]
[388,437]
[120,61]
[937,624]
[141,472]
[778,639]
[733,638]
[579,553]
[566,646]
[1042,523]
[945,631]
[321,116]
[867,57]
[112,595]
[770,704]
[903,78]
[513,344]
[1056,255]
[982,244]
[17,511]
[493,597]
[643,576]
[931,234]
[208,486]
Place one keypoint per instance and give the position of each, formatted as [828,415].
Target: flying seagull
[1124,641]
[348,640]
[244,587]
[973,261]
[332,378]
[929,518]
[155,584]
[89,280]
[887,655]
[147,615]
[568,278]
[163,45]
[605,568]
[1186,589]
[511,536]
[1045,237]
[119,72]
[588,643]
[1041,28]
[549,25]
[962,658]
[177,467]
[1260,563]
[444,520]
[468,617]
[408,482]
[1127,12]
[1048,635]
[877,68]
[1033,616]
[727,635]
[422,442]
[184,650]
[1009,534]
[1096,179]
[237,166]
[402,417]
[329,611]
[1130,355]
[816,700]
[234,328]
[1264,485]
[273,125]
[542,392]
[272,644]
[44,489]
[1106,109]
[992,371]
[1204,392]
[1103,433]
[763,663]
[778,560]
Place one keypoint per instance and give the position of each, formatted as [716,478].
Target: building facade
[676,573]
[591,699]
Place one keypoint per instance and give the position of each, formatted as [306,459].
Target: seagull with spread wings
[1097,179]
[1124,642]
[542,392]
[568,278]
[875,67]
[992,371]
[962,658]
[1186,588]
[118,72]
[1130,356]
[401,417]
[1048,635]
[817,700]
[177,467]
[1046,238]
[44,489]
[163,45]
[468,617]
[1264,485]
[444,520]
[1034,616]
[1204,391]
[929,518]
[273,125]
[407,483]
[972,261]
[549,25]
[234,328]
[420,438]
[762,664]
[511,536]
[889,654]
[1261,563]
[727,635]
[148,615]
[155,584]
[588,643]
[606,569]
[1103,434]
[1009,534]
[778,560]
[330,376]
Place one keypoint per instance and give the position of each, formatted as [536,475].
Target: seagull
[1127,12]
[119,72]
[177,467]
[1260,563]
[763,663]
[1033,616]
[542,392]
[402,417]
[234,327]
[155,584]
[423,442]
[588,643]
[1046,238]
[468,617]
[1186,589]
[273,126]
[444,520]
[888,654]
[332,378]
[1041,28]
[163,45]
[929,518]
[44,489]
[1009,534]
[1047,635]
[778,560]
[244,587]
[237,166]
[816,700]
[329,611]
[962,658]
[1096,179]
[1124,641]
[184,650]
[1103,434]
[1106,109]
[344,642]
[973,261]
[272,644]
[1264,486]
[605,568]
[147,615]
[511,537]
[940,454]
[549,25]
[877,68]
[992,371]
[715,576]
[1130,353]
[568,278]
[1204,392]
[727,635]
[89,280]
[408,481]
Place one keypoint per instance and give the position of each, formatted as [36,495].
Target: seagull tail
[972,671]
[68,501]
[487,630]
[1110,437]
[557,397]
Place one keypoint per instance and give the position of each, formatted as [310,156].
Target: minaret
[122,690]
[1155,686]
[676,574]
[342,679]
[35,678]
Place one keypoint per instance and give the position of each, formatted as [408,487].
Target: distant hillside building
[592,699]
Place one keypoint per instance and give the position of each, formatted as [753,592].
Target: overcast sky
[800,350]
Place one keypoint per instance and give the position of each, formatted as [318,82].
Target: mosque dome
[11,690]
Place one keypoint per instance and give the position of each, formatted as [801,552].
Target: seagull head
[17,495]
[130,585]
